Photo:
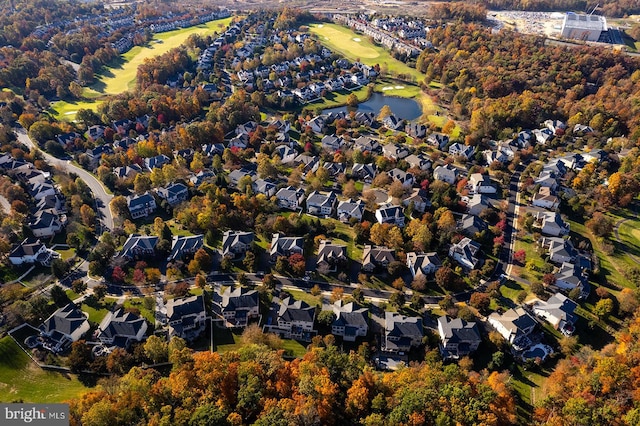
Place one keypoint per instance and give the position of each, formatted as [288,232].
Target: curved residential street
[100,194]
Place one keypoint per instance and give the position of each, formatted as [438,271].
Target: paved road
[102,198]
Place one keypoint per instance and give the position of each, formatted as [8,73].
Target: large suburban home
[545,199]
[471,225]
[236,175]
[235,307]
[446,173]
[53,204]
[458,337]
[322,204]
[560,250]
[121,328]
[201,177]
[157,161]
[290,198]
[291,319]
[570,276]
[477,204]
[266,187]
[363,172]
[550,223]
[286,154]
[466,253]
[367,144]
[423,263]
[127,172]
[406,179]
[438,140]
[174,193]
[419,198]
[458,149]
[351,209]
[332,143]
[558,311]
[236,243]
[334,169]
[481,184]
[392,122]
[311,163]
[141,205]
[401,333]
[395,151]
[45,224]
[182,246]
[331,256]
[391,214]
[30,251]
[285,246]
[139,246]
[39,190]
[416,130]
[514,325]
[352,321]
[374,257]
[419,161]
[95,154]
[186,317]
[65,326]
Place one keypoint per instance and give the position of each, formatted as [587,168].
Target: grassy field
[122,76]
[20,378]
[354,46]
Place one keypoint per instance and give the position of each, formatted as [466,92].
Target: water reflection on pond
[407,109]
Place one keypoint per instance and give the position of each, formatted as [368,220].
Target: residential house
[285,246]
[286,154]
[581,130]
[51,203]
[95,154]
[311,163]
[236,175]
[290,198]
[65,326]
[481,184]
[332,143]
[322,204]
[266,187]
[30,251]
[45,224]
[352,321]
[545,199]
[556,126]
[466,252]
[95,132]
[183,246]
[212,149]
[543,136]
[390,214]
[334,169]
[68,139]
[392,122]
[570,276]
[514,325]
[419,198]
[559,312]
[127,172]
[318,124]
[458,149]
[236,243]
[395,151]
[139,246]
[492,156]
[401,333]
[186,317]
[174,193]
[458,338]
[446,173]
[363,172]
[550,223]
[477,204]
[365,118]
[419,161]
[201,177]
[423,263]
[416,130]
[547,179]
[438,140]
[157,161]
[367,144]
[471,225]
[41,189]
[120,328]
[331,256]
[406,179]
[376,257]
[291,319]
[560,250]
[141,205]
[351,209]
[236,306]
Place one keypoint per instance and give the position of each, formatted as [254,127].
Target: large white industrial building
[583,27]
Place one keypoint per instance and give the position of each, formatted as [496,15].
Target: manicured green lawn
[138,303]
[305,297]
[67,110]
[357,46]
[336,99]
[67,254]
[21,379]
[96,314]
[294,348]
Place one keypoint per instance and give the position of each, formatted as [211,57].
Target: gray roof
[350,314]
[184,306]
[233,238]
[280,244]
[458,330]
[560,307]
[138,243]
[28,247]
[401,326]
[65,320]
[120,323]
[290,310]
[140,201]
[181,245]
[235,298]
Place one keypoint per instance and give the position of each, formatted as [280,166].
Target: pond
[407,109]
